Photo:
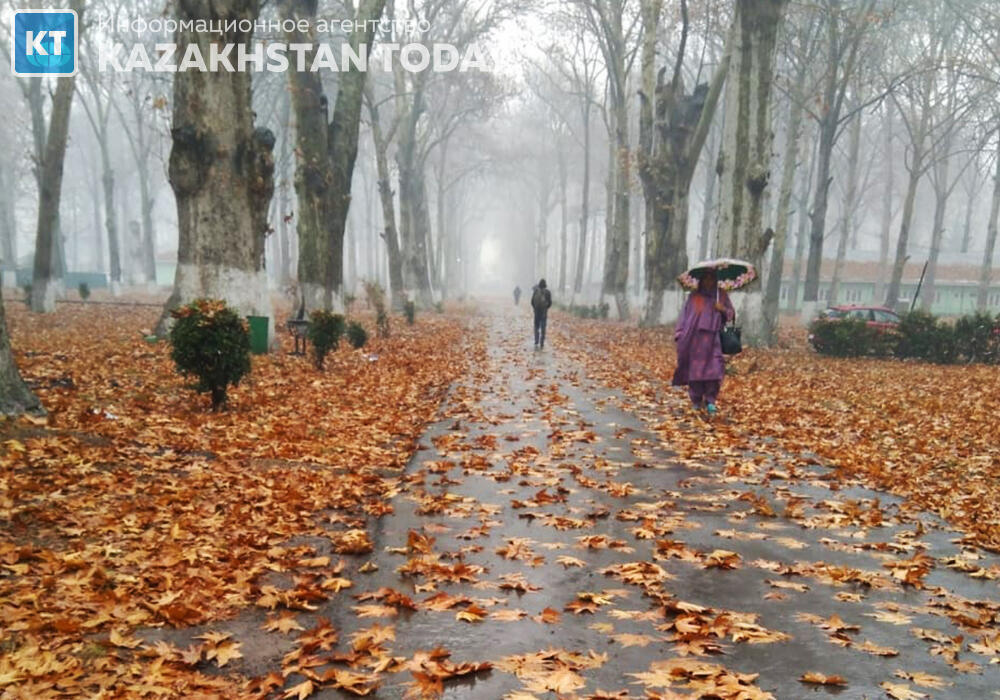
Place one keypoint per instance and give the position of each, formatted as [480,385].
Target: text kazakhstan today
[278,57]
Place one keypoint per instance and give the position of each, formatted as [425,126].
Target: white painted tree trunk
[222,174]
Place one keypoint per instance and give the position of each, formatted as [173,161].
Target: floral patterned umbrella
[731,274]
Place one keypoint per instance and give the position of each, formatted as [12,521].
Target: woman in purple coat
[699,351]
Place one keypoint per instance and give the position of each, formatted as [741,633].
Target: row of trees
[875,104]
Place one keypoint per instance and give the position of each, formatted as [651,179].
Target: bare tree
[613,24]
[97,102]
[746,169]
[673,126]
[920,101]
[801,50]
[846,31]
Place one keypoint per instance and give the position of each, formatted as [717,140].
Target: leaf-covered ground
[136,506]
[450,513]
[927,432]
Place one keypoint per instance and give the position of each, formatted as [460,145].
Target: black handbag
[731,337]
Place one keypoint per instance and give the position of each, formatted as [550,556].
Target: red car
[878,317]
[874,316]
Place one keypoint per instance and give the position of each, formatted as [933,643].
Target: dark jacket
[541,300]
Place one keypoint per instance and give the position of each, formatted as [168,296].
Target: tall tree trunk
[886,221]
[285,213]
[581,252]
[617,251]
[789,165]
[802,234]
[902,243]
[747,136]
[941,192]
[111,217]
[146,204]
[610,202]
[8,221]
[313,168]
[563,221]
[221,171]
[412,201]
[50,192]
[848,216]
[986,271]
[15,397]
[967,223]
[388,205]
[440,200]
[422,249]
[342,138]
[708,210]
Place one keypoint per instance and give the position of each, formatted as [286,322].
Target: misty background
[884,141]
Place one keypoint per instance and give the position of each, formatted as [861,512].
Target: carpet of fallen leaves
[134,506]
[150,548]
[927,432]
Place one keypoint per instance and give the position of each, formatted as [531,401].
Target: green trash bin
[258,334]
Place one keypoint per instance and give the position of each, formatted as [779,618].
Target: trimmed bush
[84,290]
[357,336]
[211,342]
[919,336]
[922,336]
[851,337]
[977,338]
[325,331]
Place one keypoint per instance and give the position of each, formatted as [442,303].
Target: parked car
[877,317]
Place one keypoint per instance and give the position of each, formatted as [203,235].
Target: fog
[876,161]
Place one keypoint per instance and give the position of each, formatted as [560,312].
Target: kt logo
[45,42]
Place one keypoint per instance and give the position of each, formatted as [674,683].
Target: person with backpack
[541,300]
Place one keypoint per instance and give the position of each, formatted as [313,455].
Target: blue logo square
[44,42]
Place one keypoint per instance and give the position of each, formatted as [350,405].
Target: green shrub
[922,336]
[410,311]
[850,337]
[357,336]
[977,338]
[439,307]
[325,330]
[210,342]
[84,290]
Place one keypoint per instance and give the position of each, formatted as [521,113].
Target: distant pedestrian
[517,295]
[541,300]
[700,364]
